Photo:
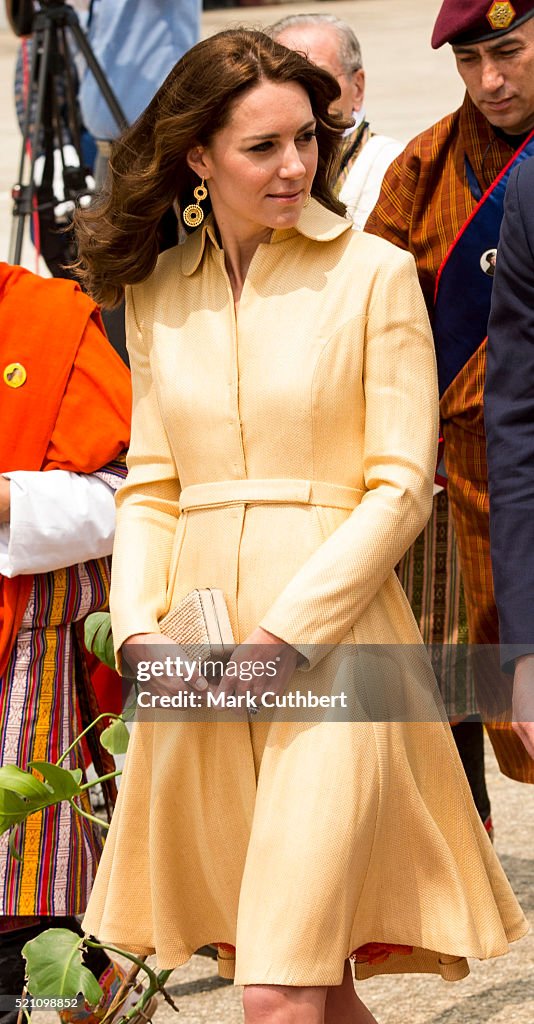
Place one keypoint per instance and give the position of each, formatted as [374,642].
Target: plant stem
[157,980]
[101,778]
[162,977]
[82,734]
[89,817]
[129,956]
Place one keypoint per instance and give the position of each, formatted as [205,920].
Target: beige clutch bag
[201,625]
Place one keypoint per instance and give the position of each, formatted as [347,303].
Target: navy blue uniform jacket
[509,414]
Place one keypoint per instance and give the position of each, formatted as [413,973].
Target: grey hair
[350,53]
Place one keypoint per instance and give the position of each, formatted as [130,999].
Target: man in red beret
[442,199]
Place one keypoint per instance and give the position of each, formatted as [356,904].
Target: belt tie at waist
[269,492]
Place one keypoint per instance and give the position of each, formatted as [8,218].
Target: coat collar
[316,223]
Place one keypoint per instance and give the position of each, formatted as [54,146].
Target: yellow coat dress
[287,455]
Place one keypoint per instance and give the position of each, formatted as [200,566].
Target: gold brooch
[501,15]
[14,375]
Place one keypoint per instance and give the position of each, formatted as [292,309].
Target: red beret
[475,21]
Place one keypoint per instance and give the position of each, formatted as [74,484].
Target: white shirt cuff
[57,519]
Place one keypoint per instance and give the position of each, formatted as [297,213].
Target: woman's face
[259,169]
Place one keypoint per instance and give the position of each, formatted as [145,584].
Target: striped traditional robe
[72,414]
[424,202]
[38,721]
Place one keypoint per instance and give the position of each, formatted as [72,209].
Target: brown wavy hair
[119,235]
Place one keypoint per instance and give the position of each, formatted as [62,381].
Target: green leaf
[99,638]
[109,653]
[13,810]
[11,845]
[63,782]
[130,710]
[115,738]
[22,794]
[93,623]
[55,968]
[24,783]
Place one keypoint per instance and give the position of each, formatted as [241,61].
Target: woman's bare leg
[284,1004]
[343,1006]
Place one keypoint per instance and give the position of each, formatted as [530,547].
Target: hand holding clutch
[201,625]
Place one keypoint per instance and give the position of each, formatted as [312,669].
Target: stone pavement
[409,86]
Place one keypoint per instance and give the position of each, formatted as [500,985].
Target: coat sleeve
[509,416]
[333,588]
[147,504]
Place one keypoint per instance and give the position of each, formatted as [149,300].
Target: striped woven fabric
[424,202]
[465,459]
[425,197]
[38,720]
[430,576]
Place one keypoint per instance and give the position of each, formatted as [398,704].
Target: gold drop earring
[193,214]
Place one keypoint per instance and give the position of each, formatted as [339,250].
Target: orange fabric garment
[424,202]
[72,412]
[425,197]
[378,952]
[463,429]
[465,457]
[371,953]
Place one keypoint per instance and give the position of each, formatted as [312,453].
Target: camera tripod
[51,110]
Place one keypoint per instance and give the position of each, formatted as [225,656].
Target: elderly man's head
[331,44]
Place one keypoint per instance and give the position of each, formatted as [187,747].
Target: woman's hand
[523,701]
[262,662]
[140,650]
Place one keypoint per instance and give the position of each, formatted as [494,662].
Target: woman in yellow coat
[283,450]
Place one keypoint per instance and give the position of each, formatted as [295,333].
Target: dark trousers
[469,738]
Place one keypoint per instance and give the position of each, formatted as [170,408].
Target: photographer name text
[245,701]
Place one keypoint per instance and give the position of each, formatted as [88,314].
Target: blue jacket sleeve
[509,415]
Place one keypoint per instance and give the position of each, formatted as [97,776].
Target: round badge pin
[488,261]
[14,375]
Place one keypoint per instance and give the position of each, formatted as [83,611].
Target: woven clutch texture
[200,624]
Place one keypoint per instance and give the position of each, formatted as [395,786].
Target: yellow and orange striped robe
[424,202]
